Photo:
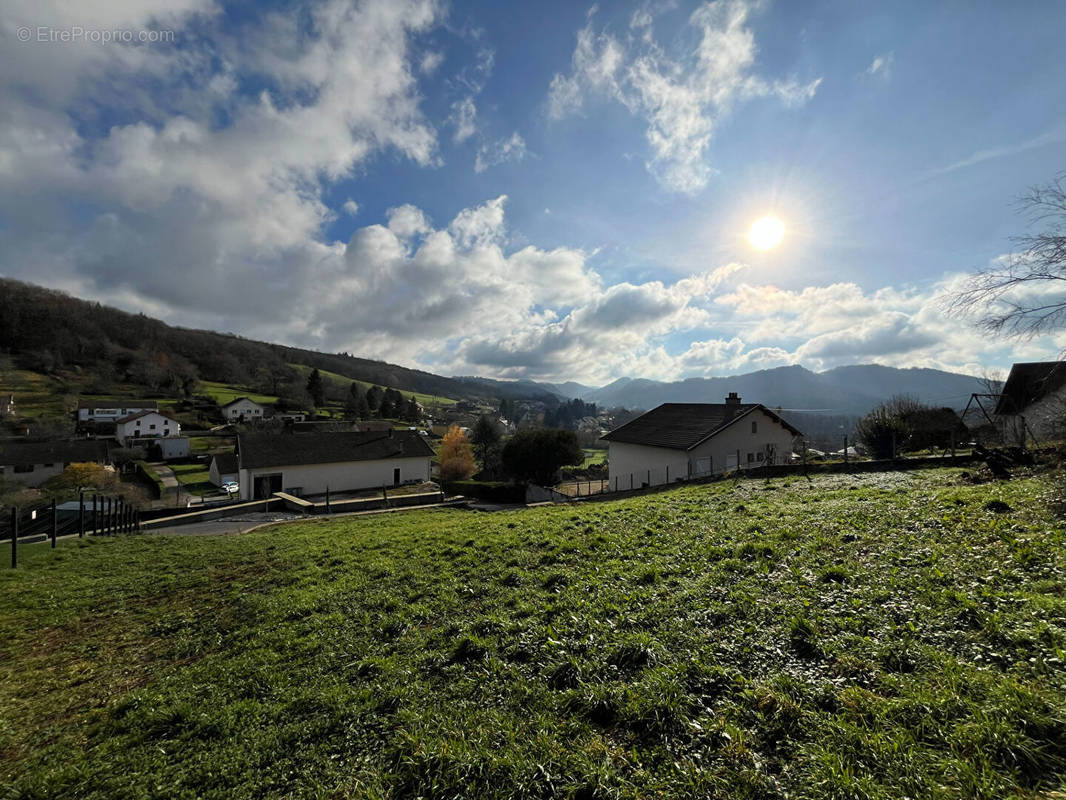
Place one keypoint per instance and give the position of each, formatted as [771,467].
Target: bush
[537,455]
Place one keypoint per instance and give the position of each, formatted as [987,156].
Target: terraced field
[875,636]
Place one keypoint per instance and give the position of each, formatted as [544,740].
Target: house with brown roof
[688,440]
[1032,402]
[310,463]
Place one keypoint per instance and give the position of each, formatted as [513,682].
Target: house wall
[109,414]
[220,478]
[339,477]
[246,408]
[1045,419]
[717,454]
[141,428]
[630,464]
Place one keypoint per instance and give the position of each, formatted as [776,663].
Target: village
[230,454]
[472,400]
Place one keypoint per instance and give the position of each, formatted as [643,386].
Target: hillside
[879,636]
[48,332]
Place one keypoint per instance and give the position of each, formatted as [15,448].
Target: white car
[230,487]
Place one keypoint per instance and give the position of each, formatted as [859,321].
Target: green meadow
[874,636]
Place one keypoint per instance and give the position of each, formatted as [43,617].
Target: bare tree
[1024,294]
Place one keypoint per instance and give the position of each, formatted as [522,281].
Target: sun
[766,233]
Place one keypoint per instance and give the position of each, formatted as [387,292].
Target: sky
[549,190]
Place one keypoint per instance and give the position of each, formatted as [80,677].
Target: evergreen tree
[316,389]
[374,396]
[355,401]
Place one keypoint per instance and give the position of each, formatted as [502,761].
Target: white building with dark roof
[310,463]
[33,463]
[688,440]
[112,409]
[1032,402]
[243,409]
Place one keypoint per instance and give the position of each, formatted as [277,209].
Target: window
[759,456]
[151,427]
[24,468]
[751,457]
[754,427]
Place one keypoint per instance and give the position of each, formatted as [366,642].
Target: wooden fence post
[14,536]
[55,524]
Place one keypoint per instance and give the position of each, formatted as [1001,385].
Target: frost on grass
[880,635]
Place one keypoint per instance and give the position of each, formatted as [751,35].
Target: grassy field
[194,478]
[224,393]
[427,400]
[875,636]
[594,457]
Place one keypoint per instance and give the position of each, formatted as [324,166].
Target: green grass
[194,478]
[427,400]
[594,457]
[224,393]
[873,636]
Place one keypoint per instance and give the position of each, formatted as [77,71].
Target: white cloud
[680,99]
[464,113]
[351,207]
[430,62]
[493,154]
[882,65]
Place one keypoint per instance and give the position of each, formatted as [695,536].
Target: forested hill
[47,331]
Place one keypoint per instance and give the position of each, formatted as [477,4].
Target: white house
[1033,401]
[309,463]
[689,440]
[33,463]
[223,469]
[243,410]
[112,410]
[145,425]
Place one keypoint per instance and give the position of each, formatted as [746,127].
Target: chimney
[732,399]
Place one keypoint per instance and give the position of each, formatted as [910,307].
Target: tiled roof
[284,449]
[682,426]
[226,463]
[53,452]
[238,399]
[1028,383]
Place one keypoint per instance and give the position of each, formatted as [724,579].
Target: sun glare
[766,233]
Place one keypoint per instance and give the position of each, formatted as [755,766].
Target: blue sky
[554,190]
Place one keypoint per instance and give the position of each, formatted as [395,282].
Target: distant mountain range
[48,331]
[844,390]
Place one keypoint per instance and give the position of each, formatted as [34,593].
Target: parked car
[230,487]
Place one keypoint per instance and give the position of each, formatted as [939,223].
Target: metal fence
[93,515]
